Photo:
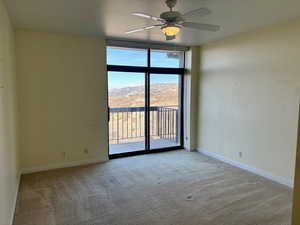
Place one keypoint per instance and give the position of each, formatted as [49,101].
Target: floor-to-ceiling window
[144,99]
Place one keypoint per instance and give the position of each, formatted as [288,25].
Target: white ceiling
[112,17]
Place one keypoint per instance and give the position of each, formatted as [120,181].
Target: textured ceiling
[112,18]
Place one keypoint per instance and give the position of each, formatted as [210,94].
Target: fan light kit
[171,21]
[170,30]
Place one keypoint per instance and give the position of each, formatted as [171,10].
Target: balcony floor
[138,146]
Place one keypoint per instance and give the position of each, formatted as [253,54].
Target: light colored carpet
[173,188]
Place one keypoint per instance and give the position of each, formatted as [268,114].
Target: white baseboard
[190,149]
[15,199]
[256,171]
[62,165]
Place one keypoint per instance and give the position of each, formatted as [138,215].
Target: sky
[134,57]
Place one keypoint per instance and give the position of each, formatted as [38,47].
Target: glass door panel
[165,110]
[126,101]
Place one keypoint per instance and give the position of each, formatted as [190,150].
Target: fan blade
[141,29]
[197,12]
[148,16]
[201,26]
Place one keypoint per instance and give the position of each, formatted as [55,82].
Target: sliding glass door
[126,102]
[145,100]
[165,110]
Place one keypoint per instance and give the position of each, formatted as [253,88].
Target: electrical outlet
[240,154]
[86,151]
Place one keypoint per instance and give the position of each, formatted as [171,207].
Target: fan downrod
[171,4]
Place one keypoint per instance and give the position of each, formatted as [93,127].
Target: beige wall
[62,86]
[249,97]
[296,203]
[9,178]
[191,98]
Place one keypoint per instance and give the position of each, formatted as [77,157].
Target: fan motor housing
[171,16]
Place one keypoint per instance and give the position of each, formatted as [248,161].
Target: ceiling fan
[170,22]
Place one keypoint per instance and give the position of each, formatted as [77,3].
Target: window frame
[147,70]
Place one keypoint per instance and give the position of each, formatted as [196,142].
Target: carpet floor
[172,188]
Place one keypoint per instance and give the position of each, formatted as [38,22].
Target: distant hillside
[162,94]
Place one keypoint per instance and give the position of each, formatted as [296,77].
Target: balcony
[127,128]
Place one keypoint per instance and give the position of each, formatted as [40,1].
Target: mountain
[161,94]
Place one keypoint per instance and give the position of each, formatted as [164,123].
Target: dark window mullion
[168,71]
[137,69]
[147,122]
[133,69]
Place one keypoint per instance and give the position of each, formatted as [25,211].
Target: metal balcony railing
[128,124]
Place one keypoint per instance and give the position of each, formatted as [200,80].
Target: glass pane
[167,59]
[126,56]
[164,111]
[126,100]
